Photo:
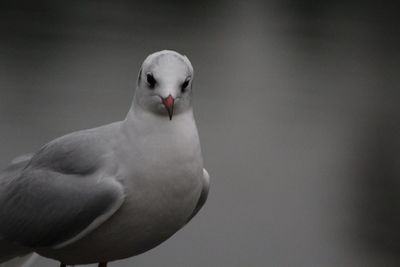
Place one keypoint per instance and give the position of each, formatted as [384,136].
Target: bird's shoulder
[81,153]
[61,194]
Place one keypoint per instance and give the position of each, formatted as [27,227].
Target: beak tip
[170,113]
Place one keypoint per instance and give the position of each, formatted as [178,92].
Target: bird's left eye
[185,85]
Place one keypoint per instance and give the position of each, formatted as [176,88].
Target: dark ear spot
[139,76]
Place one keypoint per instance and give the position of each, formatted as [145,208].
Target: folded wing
[204,194]
[59,195]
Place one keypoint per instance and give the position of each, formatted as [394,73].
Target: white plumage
[115,191]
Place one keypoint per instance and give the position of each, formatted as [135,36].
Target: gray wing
[203,195]
[58,195]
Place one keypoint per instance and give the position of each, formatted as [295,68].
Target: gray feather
[203,196]
[56,194]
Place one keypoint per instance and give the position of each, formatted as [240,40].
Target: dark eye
[150,80]
[185,85]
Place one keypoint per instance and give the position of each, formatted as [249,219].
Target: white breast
[161,171]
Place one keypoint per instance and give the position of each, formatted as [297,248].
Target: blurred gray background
[297,104]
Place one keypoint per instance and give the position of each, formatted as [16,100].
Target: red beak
[169,105]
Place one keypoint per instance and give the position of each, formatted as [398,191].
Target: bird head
[164,85]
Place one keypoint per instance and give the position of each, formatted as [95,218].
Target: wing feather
[204,194]
[59,194]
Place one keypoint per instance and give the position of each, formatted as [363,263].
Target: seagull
[115,191]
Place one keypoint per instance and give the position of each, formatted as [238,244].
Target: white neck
[173,140]
[140,122]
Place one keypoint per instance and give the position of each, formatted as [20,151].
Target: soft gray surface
[297,107]
[64,173]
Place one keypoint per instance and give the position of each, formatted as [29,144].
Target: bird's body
[107,193]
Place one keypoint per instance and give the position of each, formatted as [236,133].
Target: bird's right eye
[150,80]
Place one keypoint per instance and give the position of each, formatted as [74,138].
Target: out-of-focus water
[297,105]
